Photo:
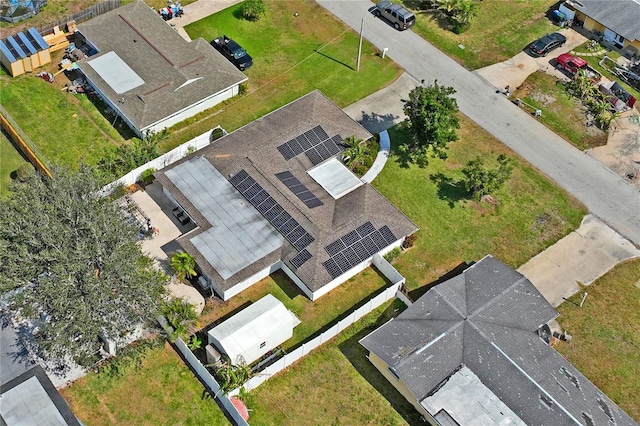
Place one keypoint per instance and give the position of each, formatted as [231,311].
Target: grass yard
[531,211]
[162,392]
[501,29]
[606,335]
[66,128]
[334,385]
[10,160]
[562,113]
[292,56]
[314,315]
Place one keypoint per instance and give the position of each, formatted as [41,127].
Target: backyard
[606,334]
[161,391]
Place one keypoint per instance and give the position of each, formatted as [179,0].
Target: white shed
[254,331]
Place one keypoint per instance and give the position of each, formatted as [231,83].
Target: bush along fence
[164,160]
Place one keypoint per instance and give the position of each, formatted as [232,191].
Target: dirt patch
[543,98]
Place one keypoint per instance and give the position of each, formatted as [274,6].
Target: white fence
[290,358]
[165,159]
[210,382]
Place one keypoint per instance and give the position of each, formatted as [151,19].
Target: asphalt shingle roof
[620,16]
[253,148]
[161,58]
[487,320]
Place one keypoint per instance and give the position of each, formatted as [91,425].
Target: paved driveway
[607,195]
[514,71]
[580,257]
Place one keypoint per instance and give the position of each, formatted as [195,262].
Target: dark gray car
[547,43]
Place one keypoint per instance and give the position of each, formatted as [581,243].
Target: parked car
[233,52]
[400,17]
[546,44]
[573,64]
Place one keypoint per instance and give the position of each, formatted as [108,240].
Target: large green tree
[71,264]
[432,117]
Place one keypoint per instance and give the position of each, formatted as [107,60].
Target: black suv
[233,52]
[546,44]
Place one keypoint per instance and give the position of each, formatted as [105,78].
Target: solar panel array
[298,188]
[271,210]
[355,247]
[315,143]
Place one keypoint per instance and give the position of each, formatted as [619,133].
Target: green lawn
[606,335]
[334,385]
[66,128]
[501,30]
[292,56]
[562,113]
[162,392]
[531,212]
[10,160]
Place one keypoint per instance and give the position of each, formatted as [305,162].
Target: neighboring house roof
[14,357]
[31,399]
[147,69]
[620,16]
[486,320]
[321,237]
[262,321]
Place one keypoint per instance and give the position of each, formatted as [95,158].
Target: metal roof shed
[254,331]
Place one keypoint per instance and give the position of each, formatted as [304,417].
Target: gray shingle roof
[162,58]
[486,319]
[620,16]
[253,148]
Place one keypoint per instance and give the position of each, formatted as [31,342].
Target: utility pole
[360,46]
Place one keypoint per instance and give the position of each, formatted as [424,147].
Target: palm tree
[355,152]
[465,11]
[449,7]
[184,265]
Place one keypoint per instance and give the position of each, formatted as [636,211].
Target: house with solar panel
[474,350]
[147,73]
[274,195]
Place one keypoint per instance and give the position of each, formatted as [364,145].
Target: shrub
[24,172]
[252,10]
[392,255]
[147,175]
[409,241]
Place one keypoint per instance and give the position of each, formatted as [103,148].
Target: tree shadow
[356,354]
[449,190]
[376,123]
[334,60]
[420,291]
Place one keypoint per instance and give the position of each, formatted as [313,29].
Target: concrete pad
[580,257]
[514,71]
[384,108]
[187,293]
[167,230]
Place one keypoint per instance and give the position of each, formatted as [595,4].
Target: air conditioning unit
[203,283]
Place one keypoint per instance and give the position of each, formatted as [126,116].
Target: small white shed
[254,331]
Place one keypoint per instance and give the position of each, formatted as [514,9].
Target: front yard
[501,29]
[606,335]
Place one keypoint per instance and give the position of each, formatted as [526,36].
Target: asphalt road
[605,194]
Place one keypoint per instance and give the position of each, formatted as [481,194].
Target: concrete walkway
[381,158]
[578,259]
